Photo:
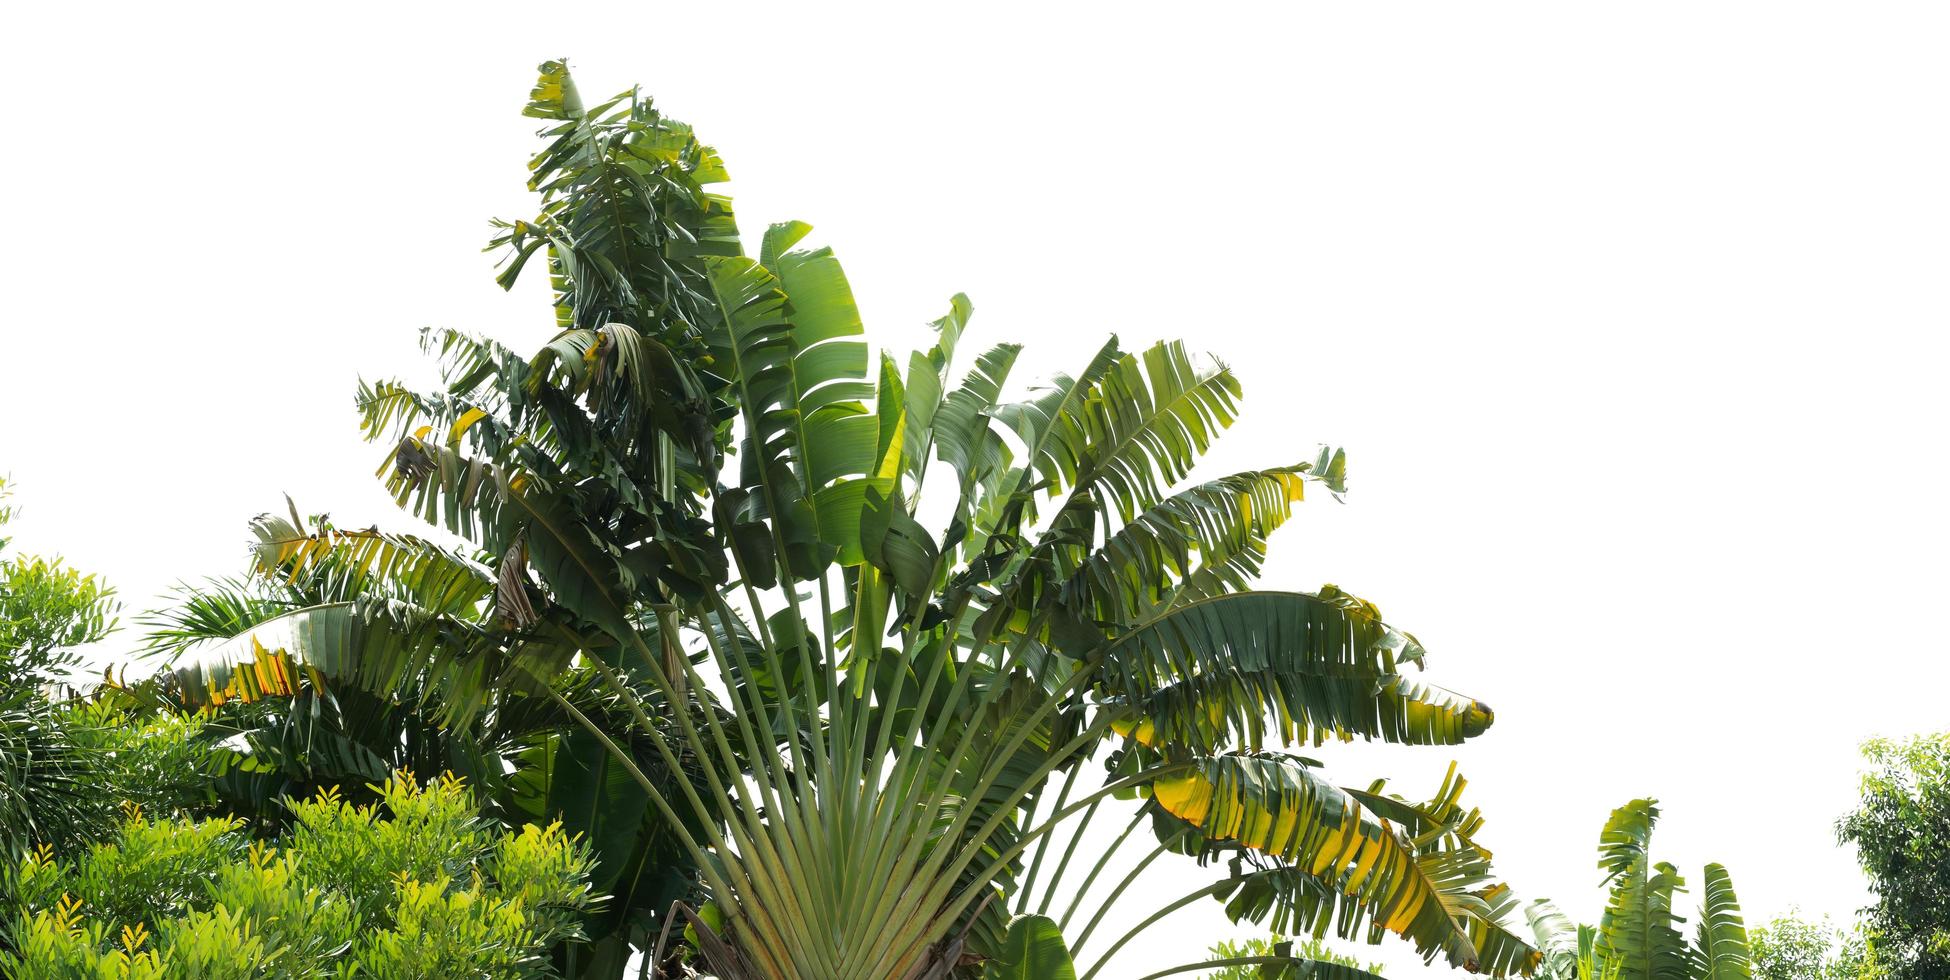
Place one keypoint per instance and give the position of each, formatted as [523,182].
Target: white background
[1629,316]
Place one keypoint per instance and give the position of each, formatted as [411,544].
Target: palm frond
[437,579]
[49,784]
[375,645]
[1556,936]
[1639,934]
[624,210]
[1211,525]
[1439,899]
[1322,664]
[1720,950]
[1139,428]
[212,611]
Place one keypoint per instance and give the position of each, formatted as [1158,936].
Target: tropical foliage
[716,686]
[413,887]
[1901,833]
[698,571]
[1640,937]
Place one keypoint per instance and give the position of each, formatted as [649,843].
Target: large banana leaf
[1115,441]
[1439,900]
[432,578]
[964,439]
[623,207]
[1440,820]
[928,375]
[375,645]
[755,346]
[1639,934]
[837,435]
[1140,427]
[1215,525]
[1039,422]
[1312,666]
[962,435]
[1557,937]
[1720,950]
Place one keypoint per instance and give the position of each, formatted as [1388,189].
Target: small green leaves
[412,885]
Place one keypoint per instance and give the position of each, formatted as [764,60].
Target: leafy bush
[46,780]
[1325,958]
[424,889]
[67,769]
[1793,948]
[46,610]
[160,761]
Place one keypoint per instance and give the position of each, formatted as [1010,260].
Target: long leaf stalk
[910,905]
[750,838]
[1036,863]
[804,827]
[768,793]
[708,816]
[792,812]
[650,788]
[1090,927]
[1147,923]
[829,670]
[899,817]
[753,914]
[779,851]
[1024,727]
[1226,961]
[907,905]
[1011,852]
[903,814]
[782,840]
[884,731]
[1076,837]
[1103,860]
[886,807]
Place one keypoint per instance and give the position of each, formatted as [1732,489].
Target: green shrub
[416,886]
[1304,948]
[1793,948]
[160,761]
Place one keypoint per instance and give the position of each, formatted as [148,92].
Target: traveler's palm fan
[705,492]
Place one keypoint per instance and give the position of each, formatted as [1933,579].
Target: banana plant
[705,494]
[1639,936]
